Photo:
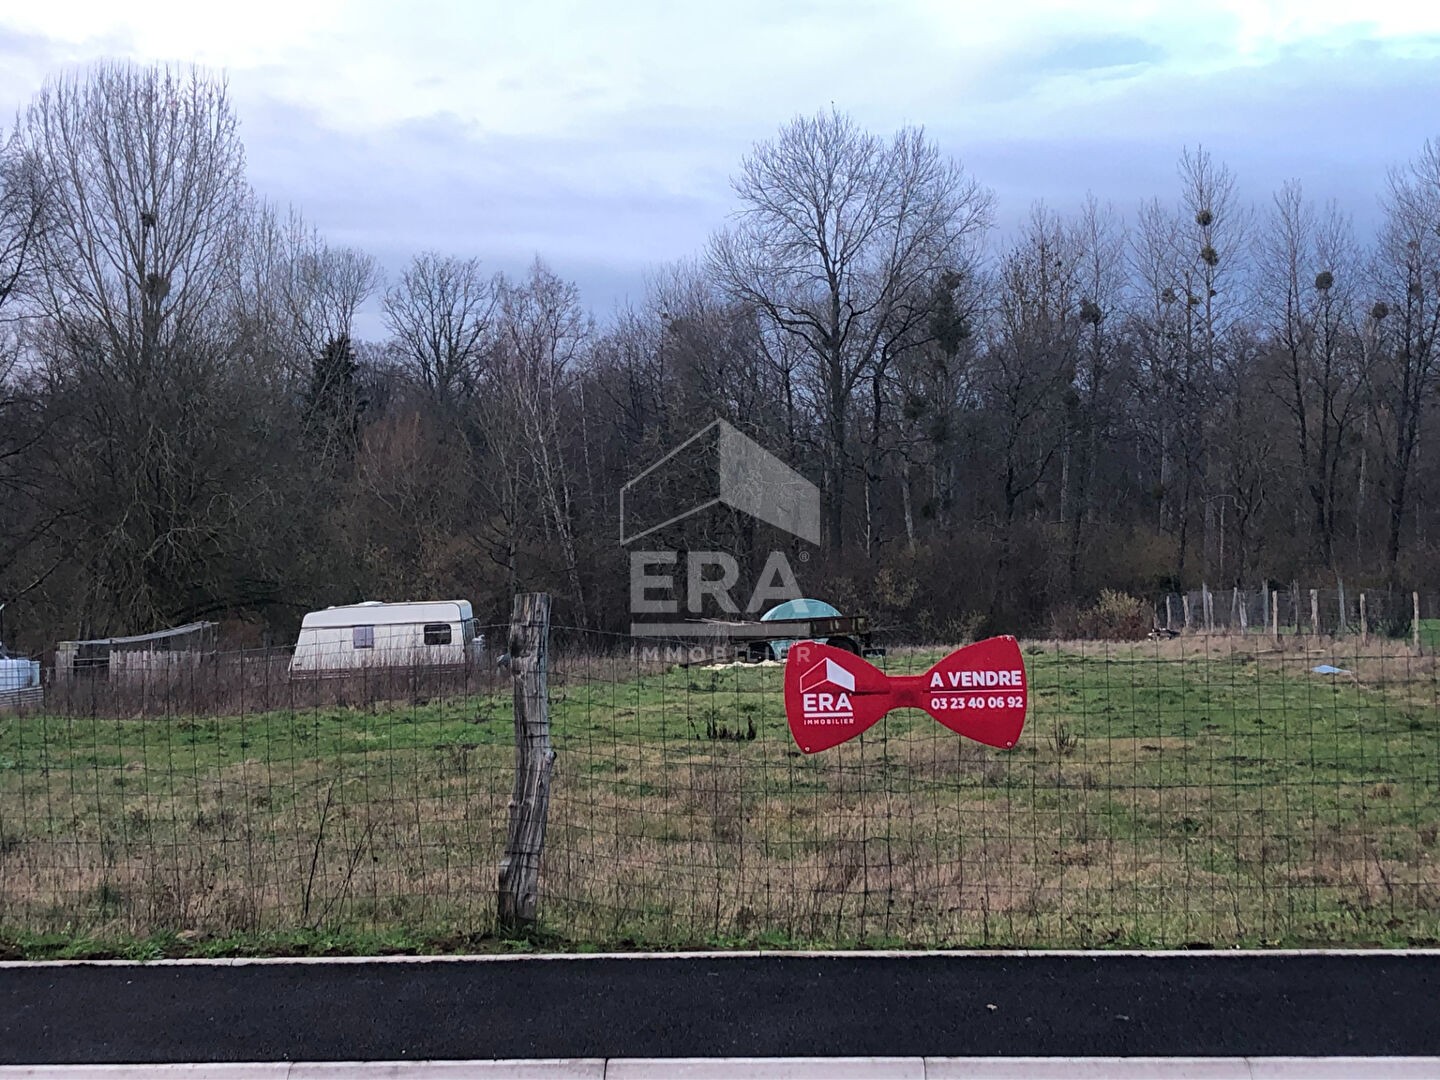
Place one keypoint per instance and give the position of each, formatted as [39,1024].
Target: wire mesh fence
[1167,793]
[222,796]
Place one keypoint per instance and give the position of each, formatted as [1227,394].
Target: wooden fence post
[1275,616]
[1185,602]
[534,759]
[1415,619]
[1315,612]
[1364,623]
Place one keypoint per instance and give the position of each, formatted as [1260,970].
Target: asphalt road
[776,1005]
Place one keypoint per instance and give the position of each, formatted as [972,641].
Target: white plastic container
[19,674]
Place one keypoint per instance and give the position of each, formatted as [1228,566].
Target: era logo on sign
[832,703]
[831,695]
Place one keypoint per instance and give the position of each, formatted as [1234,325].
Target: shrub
[1116,616]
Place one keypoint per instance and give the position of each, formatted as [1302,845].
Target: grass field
[1164,795]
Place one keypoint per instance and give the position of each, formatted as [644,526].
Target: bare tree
[1101,280]
[1212,227]
[260,325]
[1163,386]
[542,336]
[1187,284]
[1031,362]
[23,212]
[935,389]
[442,313]
[1408,319]
[713,355]
[22,219]
[189,425]
[1310,272]
[839,230]
[24,430]
[1212,230]
[324,287]
[143,172]
[632,383]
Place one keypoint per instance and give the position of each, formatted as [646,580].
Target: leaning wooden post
[1364,621]
[534,758]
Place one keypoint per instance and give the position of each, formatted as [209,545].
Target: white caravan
[372,634]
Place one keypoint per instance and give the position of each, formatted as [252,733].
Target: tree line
[1200,388]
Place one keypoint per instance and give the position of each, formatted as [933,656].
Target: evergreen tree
[332,405]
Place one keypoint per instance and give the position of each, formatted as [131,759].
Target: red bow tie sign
[832,695]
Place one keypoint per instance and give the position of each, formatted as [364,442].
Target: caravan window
[363,637]
[437,633]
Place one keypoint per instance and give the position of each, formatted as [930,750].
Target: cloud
[1335,124]
[603,138]
[1099,53]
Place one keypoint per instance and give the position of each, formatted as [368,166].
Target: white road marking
[873,1068]
[860,1068]
[726,954]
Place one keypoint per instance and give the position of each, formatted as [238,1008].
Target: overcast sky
[602,135]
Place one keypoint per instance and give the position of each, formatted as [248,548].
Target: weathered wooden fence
[529,652]
[1276,611]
